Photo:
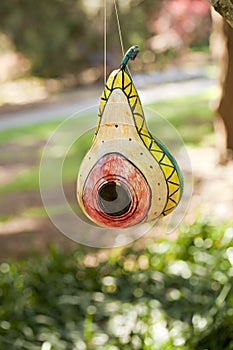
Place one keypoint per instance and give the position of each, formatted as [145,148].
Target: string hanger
[119,28]
[105,41]
[105,35]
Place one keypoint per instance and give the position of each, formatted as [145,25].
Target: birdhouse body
[127,177]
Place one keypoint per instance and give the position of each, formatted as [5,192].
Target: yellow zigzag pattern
[119,79]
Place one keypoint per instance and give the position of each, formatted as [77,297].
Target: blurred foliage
[181,24]
[62,38]
[49,33]
[171,294]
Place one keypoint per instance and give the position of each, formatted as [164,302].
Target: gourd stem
[130,54]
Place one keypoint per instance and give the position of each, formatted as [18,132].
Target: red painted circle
[114,167]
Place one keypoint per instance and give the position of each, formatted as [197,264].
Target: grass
[28,133]
[169,294]
[191,116]
[27,180]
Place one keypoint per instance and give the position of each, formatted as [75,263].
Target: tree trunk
[222,48]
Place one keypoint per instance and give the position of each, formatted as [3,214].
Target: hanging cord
[105,41]
[121,41]
[119,28]
[130,54]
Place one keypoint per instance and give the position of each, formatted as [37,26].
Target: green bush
[170,294]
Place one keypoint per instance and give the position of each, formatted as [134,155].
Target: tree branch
[225,9]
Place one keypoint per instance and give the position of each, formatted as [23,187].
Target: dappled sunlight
[8,174]
[23,92]
[213,195]
[16,225]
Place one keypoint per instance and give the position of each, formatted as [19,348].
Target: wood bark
[222,48]
[225,109]
[225,9]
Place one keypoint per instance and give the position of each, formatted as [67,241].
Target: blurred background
[161,292]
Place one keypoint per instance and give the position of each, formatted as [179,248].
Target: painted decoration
[128,176]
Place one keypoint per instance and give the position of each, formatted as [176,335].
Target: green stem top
[130,54]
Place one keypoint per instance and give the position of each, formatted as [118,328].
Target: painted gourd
[127,177]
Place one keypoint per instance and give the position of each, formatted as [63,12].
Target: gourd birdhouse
[128,176]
